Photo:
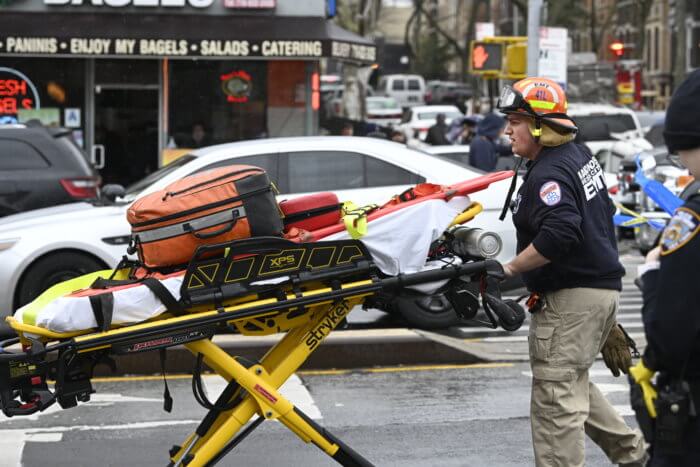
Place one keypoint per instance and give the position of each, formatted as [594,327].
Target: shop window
[380,173]
[225,100]
[18,155]
[311,171]
[122,71]
[59,85]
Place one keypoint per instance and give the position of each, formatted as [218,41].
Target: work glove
[642,376]
[616,351]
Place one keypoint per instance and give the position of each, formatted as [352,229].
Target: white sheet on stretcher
[398,242]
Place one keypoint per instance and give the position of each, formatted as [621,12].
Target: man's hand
[654,255]
[509,271]
[616,351]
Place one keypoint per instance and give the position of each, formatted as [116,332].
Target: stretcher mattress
[398,242]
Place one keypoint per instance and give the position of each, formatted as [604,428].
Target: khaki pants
[565,337]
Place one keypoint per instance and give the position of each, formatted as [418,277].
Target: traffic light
[617,48]
[516,60]
[485,58]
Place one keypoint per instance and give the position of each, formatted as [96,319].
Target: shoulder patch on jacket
[682,227]
[550,193]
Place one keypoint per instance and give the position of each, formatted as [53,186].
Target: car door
[398,91]
[415,90]
[353,176]
[23,176]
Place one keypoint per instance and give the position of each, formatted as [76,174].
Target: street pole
[533,36]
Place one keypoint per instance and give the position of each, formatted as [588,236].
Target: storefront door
[126,132]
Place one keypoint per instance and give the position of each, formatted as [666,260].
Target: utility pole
[533,36]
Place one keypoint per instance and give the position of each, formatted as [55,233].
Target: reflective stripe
[542,104]
[195,225]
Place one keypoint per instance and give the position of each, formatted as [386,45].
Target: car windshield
[432,115]
[136,187]
[600,127]
[380,104]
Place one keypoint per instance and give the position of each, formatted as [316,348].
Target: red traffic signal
[618,48]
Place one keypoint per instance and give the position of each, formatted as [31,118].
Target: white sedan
[40,248]
[418,120]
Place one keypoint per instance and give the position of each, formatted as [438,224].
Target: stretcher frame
[316,297]
[307,312]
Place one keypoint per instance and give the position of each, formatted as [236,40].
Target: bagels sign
[17,92]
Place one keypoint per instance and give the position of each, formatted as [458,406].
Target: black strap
[319,211]
[167,399]
[164,295]
[102,307]
[509,196]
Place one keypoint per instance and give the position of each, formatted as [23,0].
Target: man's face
[522,141]
[690,158]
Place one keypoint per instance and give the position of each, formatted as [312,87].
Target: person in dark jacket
[437,134]
[567,256]
[671,310]
[484,149]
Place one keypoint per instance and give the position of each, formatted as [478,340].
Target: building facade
[140,81]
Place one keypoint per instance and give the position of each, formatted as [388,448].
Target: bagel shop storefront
[142,81]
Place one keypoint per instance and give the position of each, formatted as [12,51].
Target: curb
[341,350]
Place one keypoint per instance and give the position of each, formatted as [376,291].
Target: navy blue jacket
[483,149]
[564,210]
[671,311]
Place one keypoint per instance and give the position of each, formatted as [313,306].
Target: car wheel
[51,270]
[426,311]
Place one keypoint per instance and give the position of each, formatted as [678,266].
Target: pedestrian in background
[671,311]
[437,134]
[568,259]
[485,147]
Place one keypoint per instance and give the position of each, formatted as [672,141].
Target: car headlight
[7,243]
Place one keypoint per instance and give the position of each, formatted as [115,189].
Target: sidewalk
[351,349]
[340,350]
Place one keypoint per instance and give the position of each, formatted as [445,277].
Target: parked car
[417,120]
[407,90]
[654,133]
[89,236]
[42,167]
[607,127]
[447,92]
[383,111]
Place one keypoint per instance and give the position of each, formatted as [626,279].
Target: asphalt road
[447,416]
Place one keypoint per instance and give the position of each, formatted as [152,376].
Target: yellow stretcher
[255,287]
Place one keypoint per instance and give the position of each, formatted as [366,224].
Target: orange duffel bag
[218,205]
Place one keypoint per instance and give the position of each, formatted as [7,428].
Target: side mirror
[113,191]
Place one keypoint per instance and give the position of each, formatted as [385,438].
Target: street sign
[485,58]
[71,117]
[553,50]
[484,30]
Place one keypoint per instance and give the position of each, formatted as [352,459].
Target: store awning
[180,36]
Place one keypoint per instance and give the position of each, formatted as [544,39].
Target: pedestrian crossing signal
[485,58]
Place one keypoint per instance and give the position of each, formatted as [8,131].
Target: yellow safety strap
[642,376]
[355,218]
[637,219]
[468,214]
[32,310]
